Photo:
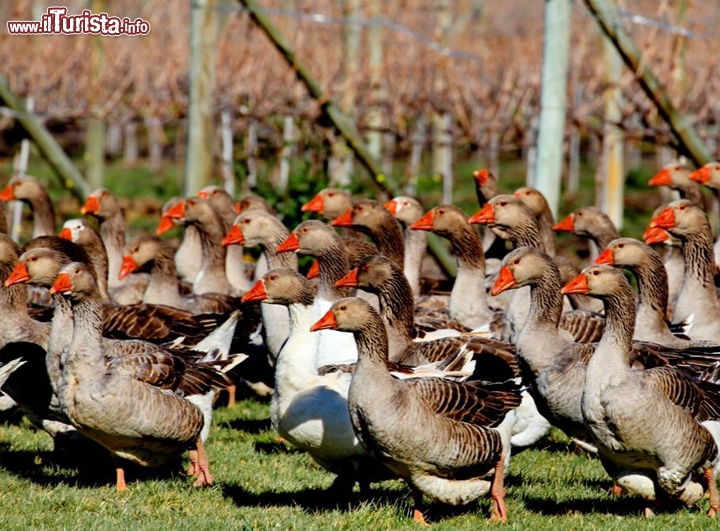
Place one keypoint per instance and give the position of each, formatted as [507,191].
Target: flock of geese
[379,372]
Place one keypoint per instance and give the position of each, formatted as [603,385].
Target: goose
[238,271]
[495,360]
[697,295]
[331,203]
[409,424]
[511,219]
[253,201]
[31,191]
[310,409]
[124,403]
[407,210]
[709,175]
[534,199]
[189,254]
[199,212]
[486,187]
[652,309]
[468,304]
[676,176]
[651,455]
[80,232]
[257,227]
[371,218]
[149,251]
[672,257]
[590,222]
[321,241]
[103,205]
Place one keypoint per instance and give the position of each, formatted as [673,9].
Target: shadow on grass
[248,425]
[86,468]
[312,500]
[276,447]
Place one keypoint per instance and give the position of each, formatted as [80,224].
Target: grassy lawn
[263,483]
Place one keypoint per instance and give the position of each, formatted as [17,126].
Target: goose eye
[215,192]
[441,212]
[405,203]
[103,194]
[620,246]
[246,221]
[343,308]
[677,168]
[33,259]
[516,261]
[503,203]
[527,192]
[304,230]
[190,202]
[595,273]
[330,194]
[681,207]
[359,209]
[579,214]
[16,184]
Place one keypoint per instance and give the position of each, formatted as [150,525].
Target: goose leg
[498,509]
[417,511]
[200,466]
[713,491]
[231,395]
[120,484]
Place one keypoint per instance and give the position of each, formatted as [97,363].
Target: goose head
[311,237]
[139,251]
[370,273]
[366,216]
[38,266]
[486,186]
[674,175]
[709,175]
[218,197]
[534,199]
[24,188]
[348,315]
[253,201]
[504,214]
[252,228]
[406,209]
[443,220]
[102,204]
[80,232]
[74,281]
[281,286]
[585,222]
[624,252]
[681,219]
[330,203]
[525,266]
[599,281]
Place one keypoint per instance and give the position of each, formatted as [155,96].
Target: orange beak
[392,207]
[606,258]
[19,274]
[290,244]
[577,285]
[505,281]
[662,178]
[348,281]
[176,212]
[66,234]
[203,194]
[664,220]
[238,208]
[62,284]
[128,266]
[234,237]
[701,175]
[7,194]
[655,235]
[481,176]
[316,205]
[425,222]
[314,270]
[256,293]
[486,216]
[165,225]
[346,220]
[91,206]
[327,322]
[566,225]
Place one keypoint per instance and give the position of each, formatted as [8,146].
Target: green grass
[263,483]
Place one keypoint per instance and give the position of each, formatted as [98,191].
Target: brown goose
[123,403]
[486,187]
[81,233]
[103,205]
[256,227]
[652,309]
[150,252]
[189,255]
[210,225]
[697,294]
[468,304]
[590,222]
[408,210]
[310,408]
[657,453]
[331,203]
[253,201]
[709,175]
[371,218]
[540,208]
[511,219]
[238,271]
[388,413]
[32,192]
[676,176]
